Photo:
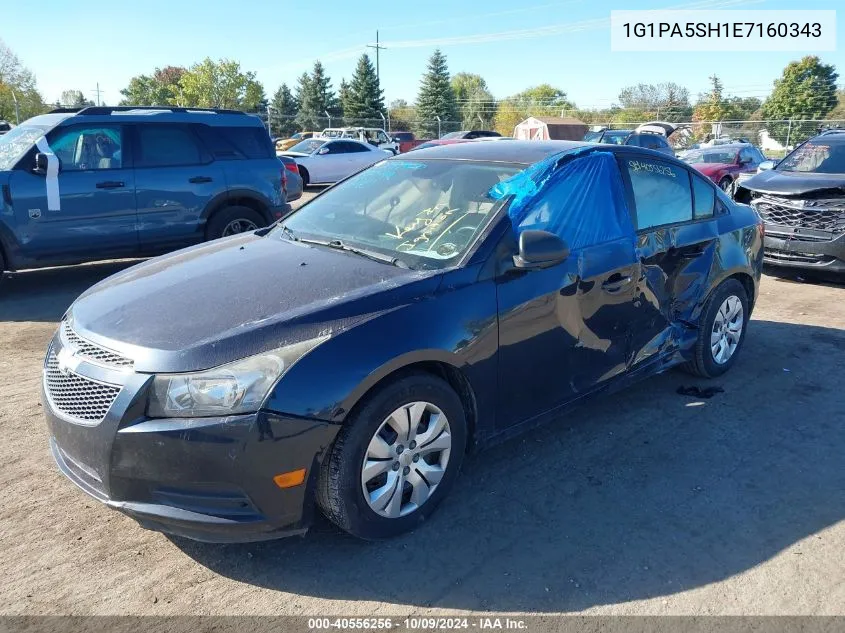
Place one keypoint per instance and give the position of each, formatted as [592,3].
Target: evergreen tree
[366,98]
[343,96]
[282,112]
[316,97]
[436,97]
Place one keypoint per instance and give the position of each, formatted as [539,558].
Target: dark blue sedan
[347,358]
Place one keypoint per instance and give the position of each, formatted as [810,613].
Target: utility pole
[378,48]
[98,93]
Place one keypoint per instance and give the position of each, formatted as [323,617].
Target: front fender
[457,326]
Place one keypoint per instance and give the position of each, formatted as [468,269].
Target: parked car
[649,136]
[407,141]
[104,182]
[374,136]
[434,303]
[5,126]
[285,144]
[723,163]
[802,201]
[293,180]
[324,161]
[470,134]
[611,137]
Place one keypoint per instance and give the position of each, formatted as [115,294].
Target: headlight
[238,387]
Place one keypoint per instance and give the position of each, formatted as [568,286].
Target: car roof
[524,152]
[156,114]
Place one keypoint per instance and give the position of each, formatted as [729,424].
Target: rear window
[403,136]
[236,142]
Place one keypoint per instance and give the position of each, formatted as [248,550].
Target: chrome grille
[91,352]
[789,256]
[820,215]
[75,396]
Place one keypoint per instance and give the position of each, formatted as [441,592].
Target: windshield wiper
[363,252]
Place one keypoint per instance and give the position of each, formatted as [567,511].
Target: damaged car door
[564,329]
[677,236]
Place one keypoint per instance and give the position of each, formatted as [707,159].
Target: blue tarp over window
[582,201]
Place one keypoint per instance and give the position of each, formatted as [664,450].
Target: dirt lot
[649,502]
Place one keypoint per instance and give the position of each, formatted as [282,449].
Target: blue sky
[74,45]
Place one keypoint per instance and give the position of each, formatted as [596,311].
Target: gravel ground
[644,503]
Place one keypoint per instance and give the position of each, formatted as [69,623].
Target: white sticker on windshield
[52,180]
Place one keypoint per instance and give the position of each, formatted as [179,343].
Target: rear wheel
[395,459]
[725,184]
[721,331]
[233,220]
[305,177]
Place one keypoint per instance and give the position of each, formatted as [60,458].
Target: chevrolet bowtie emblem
[66,360]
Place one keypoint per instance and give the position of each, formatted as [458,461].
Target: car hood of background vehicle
[793,183]
[228,299]
[711,168]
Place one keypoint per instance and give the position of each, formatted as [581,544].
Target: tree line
[807,89]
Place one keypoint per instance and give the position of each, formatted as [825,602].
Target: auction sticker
[728,30]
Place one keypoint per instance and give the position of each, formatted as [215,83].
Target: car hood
[235,297]
[791,183]
[711,168]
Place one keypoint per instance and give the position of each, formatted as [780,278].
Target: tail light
[284,185]
[292,167]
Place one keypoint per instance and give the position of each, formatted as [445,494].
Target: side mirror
[540,249]
[323,150]
[41,163]
[766,165]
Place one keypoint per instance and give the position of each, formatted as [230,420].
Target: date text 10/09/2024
[419,624]
[738,30]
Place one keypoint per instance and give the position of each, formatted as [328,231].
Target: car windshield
[16,143]
[615,137]
[454,135]
[425,213]
[822,156]
[308,146]
[709,156]
[593,137]
[403,136]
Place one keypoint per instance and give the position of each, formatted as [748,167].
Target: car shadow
[641,494]
[44,294]
[784,274]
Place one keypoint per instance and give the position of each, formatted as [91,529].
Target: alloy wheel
[241,225]
[406,459]
[727,329]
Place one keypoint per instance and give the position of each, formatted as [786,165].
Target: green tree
[436,97]
[316,97]
[160,88]
[806,90]
[664,101]
[474,101]
[365,97]
[74,99]
[282,112]
[402,115]
[343,95]
[542,100]
[17,83]
[220,84]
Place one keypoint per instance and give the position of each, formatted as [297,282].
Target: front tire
[721,331]
[395,459]
[726,184]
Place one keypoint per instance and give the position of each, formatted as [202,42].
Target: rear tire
[719,342]
[304,175]
[726,184]
[415,477]
[233,220]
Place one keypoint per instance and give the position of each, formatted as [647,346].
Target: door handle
[110,184]
[615,284]
[199,179]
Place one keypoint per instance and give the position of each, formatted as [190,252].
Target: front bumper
[209,479]
[789,250]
